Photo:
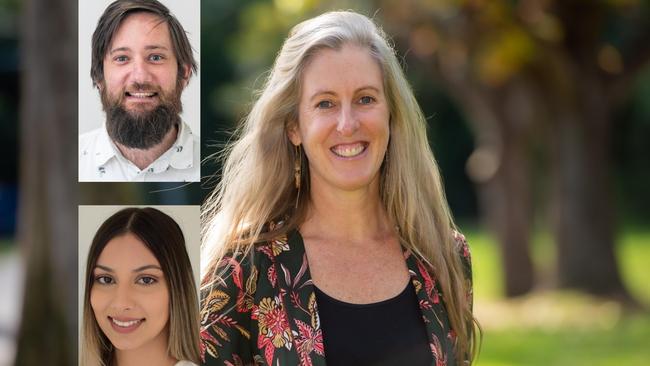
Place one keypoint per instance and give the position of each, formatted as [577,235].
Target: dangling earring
[297,167]
[297,172]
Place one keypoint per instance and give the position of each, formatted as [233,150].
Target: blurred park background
[539,114]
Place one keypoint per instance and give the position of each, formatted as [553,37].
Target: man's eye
[366,100]
[104,280]
[326,104]
[147,280]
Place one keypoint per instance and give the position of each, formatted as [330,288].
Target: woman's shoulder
[247,259]
[461,245]
[462,248]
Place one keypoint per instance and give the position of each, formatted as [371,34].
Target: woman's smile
[125,325]
[350,150]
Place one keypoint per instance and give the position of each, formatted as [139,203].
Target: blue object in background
[8,206]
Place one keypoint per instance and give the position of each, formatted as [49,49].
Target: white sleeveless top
[185,363]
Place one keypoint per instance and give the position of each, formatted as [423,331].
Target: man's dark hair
[111,20]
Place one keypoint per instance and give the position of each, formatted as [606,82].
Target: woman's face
[343,118]
[129,295]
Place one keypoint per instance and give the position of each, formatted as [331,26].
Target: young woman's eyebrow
[139,269]
[148,266]
[107,269]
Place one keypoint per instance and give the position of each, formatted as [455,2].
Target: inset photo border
[91,116]
[92,217]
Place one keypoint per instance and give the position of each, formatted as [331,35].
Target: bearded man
[141,62]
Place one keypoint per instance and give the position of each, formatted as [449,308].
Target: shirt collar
[182,151]
[105,149]
[179,156]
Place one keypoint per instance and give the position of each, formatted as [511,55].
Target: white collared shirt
[101,161]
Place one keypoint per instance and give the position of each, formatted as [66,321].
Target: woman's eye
[326,104]
[147,280]
[121,58]
[156,58]
[104,280]
[366,100]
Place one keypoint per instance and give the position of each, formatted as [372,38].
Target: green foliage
[6,245]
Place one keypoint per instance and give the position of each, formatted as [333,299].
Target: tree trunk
[509,191]
[48,183]
[584,211]
[513,212]
[502,120]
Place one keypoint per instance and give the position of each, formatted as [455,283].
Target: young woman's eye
[104,280]
[121,58]
[366,99]
[325,104]
[147,280]
[156,58]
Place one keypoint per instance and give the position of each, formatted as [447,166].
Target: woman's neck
[349,216]
[150,353]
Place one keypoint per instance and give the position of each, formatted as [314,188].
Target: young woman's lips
[125,325]
[351,150]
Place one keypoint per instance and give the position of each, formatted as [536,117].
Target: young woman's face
[343,118]
[129,295]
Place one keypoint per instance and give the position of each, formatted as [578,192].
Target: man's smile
[140,94]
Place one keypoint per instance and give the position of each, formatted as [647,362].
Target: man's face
[141,88]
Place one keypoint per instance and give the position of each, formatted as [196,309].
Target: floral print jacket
[265,312]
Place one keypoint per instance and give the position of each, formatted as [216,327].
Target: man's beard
[142,129]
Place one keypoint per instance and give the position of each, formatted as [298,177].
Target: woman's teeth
[348,151]
[125,324]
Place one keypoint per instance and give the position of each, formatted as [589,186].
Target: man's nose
[140,72]
[347,122]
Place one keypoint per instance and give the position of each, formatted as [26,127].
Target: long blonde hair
[257,183]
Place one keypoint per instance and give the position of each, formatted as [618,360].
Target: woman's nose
[123,299]
[347,122]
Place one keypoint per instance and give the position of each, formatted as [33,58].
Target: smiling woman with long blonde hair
[329,238]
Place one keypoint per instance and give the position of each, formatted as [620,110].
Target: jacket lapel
[433,310]
[297,293]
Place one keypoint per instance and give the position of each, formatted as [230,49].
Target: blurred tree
[531,73]
[47,210]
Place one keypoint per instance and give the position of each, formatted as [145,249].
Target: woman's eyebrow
[107,269]
[139,269]
[148,266]
[322,92]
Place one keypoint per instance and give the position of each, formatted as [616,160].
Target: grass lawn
[561,327]
[6,245]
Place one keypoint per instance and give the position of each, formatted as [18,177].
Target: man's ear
[99,85]
[186,72]
[294,133]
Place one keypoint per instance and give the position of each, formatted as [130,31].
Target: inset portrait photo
[139,91]
[138,285]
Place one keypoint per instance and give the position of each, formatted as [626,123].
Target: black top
[389,332]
